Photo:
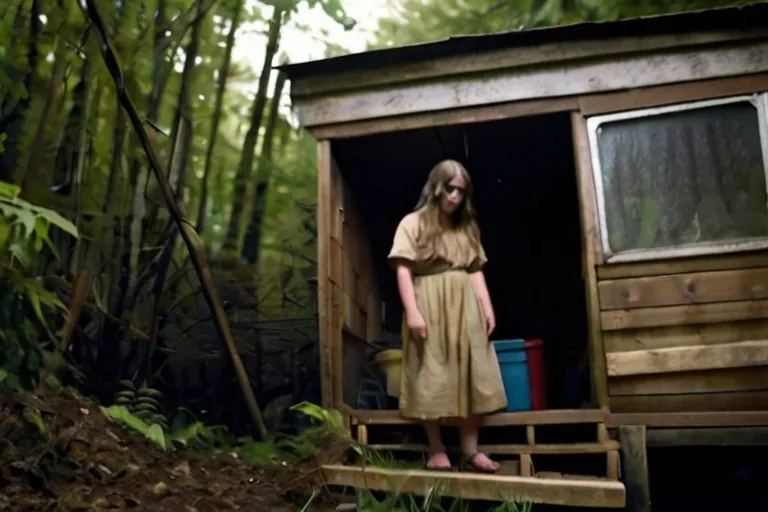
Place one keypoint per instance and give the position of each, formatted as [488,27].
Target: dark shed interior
[526,197]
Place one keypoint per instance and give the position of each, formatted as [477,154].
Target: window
[682,180]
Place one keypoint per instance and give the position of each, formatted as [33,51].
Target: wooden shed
[620,176]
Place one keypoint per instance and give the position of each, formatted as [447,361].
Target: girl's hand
[490,322]
[416,323]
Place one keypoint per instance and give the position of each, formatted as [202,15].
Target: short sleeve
[479,261]
[404,244]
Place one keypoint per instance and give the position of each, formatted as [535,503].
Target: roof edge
[737,18]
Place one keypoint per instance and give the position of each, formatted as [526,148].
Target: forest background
[120,307]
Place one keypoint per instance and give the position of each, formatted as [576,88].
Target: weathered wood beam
[536,81]
[474,486]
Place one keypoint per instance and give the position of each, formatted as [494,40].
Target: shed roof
[739,18]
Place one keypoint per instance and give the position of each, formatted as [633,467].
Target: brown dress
[454,372]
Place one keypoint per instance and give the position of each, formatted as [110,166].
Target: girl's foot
[439,461]
[480,462]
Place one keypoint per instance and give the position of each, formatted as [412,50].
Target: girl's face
[453,194]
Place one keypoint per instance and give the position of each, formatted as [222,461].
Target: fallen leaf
[161,488]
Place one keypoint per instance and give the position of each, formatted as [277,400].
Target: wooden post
[324,307]
[635,467]
[590,250]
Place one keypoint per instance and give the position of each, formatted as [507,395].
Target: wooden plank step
[549,417]
[576,492]
[514,449]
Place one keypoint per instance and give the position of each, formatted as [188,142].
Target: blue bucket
[514,374]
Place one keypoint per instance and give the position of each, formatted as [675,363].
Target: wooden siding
[693,337]
[350,311]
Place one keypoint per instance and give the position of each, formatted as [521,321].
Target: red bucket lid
[534,343]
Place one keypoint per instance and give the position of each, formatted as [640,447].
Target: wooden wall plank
[455,116]
[336,262]
[699,402]
[684,315]
[683,265]
[680,359]
[589,251]
[709,381]
[336,202]
[572,78]
[324,231]
[692,288]
[699,419]
[336,325]
[684,335]
[593,104]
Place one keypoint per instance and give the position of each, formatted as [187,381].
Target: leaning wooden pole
[188,233]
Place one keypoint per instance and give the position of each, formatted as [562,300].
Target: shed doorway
[526,196]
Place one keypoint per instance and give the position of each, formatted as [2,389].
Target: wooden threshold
[690,419]
[595,493]
[504,419]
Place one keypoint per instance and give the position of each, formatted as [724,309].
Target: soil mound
[59,452]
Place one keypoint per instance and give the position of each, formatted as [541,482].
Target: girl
[450,370]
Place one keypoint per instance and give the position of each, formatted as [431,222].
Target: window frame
[758,100]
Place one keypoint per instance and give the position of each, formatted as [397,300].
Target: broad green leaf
[45,296]
[189,433]
[35,303]
[27,218]
[21,253]
[120,413]
[33,416]
[9,190]
[156,435]
[58,221]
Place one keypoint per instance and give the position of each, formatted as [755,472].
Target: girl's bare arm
[405,287]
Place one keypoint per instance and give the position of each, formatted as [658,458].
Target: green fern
[143,403]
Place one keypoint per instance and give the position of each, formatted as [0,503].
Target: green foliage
[195,435]
[418,21]
[142,403]
[21,357]
[24,227]
[332,8]
[24,230]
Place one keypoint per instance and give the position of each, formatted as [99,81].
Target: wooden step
[565,491]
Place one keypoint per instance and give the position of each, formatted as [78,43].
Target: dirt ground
[70,457]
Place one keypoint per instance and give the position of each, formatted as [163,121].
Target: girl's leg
[438,459]
[469,429]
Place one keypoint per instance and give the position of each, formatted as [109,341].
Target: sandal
[439,467]
[470,464]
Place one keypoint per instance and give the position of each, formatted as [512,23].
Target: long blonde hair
[464,218]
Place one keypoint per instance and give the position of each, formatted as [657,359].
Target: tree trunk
[244,169]
[37,150]
[12,122]
[252,242]
[220,90]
